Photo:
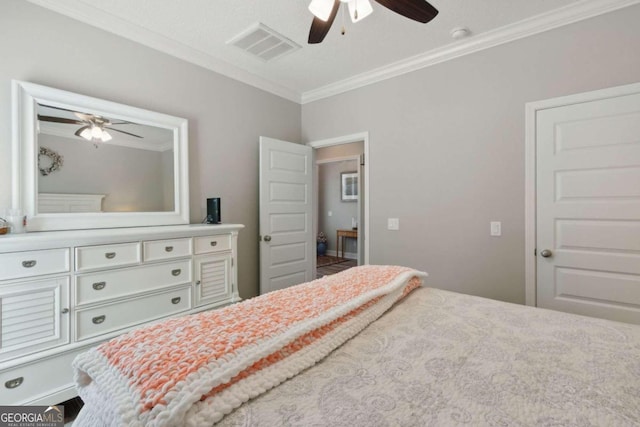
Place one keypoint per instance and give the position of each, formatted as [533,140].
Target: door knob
[546,253]
[267,238]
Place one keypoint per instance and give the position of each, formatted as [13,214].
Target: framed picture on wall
[349,186]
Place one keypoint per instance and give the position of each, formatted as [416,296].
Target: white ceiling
[381,46]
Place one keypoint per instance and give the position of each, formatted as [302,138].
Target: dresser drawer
[27,383]
[107,256]
[103,285]
[210,244]
[16,265]
[166,249]
[112,317]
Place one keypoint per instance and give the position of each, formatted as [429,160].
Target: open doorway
[340,204]
[288,210]
[338,216]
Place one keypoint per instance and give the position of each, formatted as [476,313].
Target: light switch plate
[393,223]
[496,228]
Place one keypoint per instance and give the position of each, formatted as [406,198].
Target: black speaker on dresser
[213,211]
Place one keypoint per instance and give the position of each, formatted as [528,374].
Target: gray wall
[131,179]
[447,147]
[329,200]
[167,185]
[226,117]
[446,142]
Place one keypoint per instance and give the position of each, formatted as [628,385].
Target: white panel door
[588,208]
[286,232]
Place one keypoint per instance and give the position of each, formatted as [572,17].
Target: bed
[432,358]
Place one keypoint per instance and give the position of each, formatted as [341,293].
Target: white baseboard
[348,255]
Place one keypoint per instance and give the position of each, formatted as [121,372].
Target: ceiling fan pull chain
[355,13]
[343,27]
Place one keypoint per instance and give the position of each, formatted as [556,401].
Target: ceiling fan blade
[79,131]
[320,28]
[121,131]
[59,120]
[56,108]
[418,10]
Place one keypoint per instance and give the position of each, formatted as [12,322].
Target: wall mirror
[81,162]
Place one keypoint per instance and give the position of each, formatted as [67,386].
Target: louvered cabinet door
[35,316]
[213,278]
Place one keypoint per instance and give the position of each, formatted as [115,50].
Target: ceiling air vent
[263,42]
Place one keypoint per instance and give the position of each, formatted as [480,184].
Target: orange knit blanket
[195,369]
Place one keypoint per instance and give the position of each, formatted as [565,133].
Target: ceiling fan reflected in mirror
[325,12]
[94,127]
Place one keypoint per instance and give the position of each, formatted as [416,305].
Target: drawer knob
[29,264]
[197,282]
[98,286]
[214,243]
[176,272]
[65,310]
[110,255]
[98,319]
[168,248]
[14,383]
[175,300]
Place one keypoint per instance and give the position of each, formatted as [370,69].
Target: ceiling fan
[94,127]
[325,12]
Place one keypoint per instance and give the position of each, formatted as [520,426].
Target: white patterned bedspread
[446,359]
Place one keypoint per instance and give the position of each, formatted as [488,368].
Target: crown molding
[557,18]
[129,30]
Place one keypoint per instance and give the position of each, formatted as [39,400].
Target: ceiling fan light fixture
[416,10]
[105,136]
[359,9]
[96,132]
[86,134]
[321,9]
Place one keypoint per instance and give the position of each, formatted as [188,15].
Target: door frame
[346,139]
[316,195]
[531,111]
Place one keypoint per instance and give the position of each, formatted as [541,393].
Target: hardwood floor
[335,268]
[324,260]
[71,409]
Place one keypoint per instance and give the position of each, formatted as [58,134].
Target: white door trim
[531,110]
[355,137]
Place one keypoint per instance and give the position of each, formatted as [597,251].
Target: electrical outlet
[393,223]
[330,213]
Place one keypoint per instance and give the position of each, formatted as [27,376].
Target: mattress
[438,358]
[194,370]
[445,359]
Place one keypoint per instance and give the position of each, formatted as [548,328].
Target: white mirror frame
[26,97]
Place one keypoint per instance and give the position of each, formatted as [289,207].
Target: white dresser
[62,292]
